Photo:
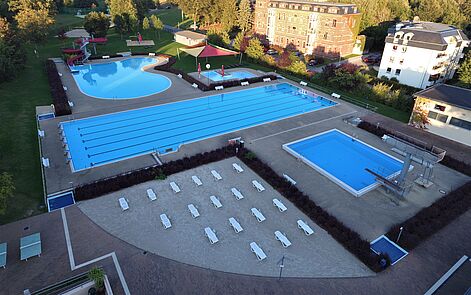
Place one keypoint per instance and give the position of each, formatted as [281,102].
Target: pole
[400,233]
[282,265]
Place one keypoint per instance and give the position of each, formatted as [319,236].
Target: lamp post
[399,235]
[282,265]
[208,66]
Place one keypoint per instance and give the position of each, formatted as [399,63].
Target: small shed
[189,38]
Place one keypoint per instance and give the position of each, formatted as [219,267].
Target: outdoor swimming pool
[343,159]
[108,138]
[236,75]
[122,79]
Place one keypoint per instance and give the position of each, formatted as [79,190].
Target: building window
[437,116]
[460,123]
[325,36]
[440,107]
[398,72]
[395,47]
[391,59]
[334,23]
[388,70]
[401,61]
[404,49]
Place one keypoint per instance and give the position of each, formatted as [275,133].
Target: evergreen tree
[244,16]
[145,23]
[228,14]
[96,24]
[156,24]
[254,49]
[194,8]
[464,72]
[33,18]
[122,8]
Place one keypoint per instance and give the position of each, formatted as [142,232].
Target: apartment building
[421,54]
[314,27]
[448,109]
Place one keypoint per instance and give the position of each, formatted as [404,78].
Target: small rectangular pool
[343,159]
[233,75]
[104,139]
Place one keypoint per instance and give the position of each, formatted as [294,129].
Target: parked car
[373,58]
[315,61]
[271,52]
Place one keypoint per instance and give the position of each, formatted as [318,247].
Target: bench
[258,186]
[277,203]
[306,228]
[175,187]
[194,85]
[237,193]
[165,221]
[266,80]
[245,83]
[335,95]
[180,76]
[105,57]
[257,251]
[282,238]
[219,87]
[211,235]
[194,212]
[215,201]
[256,212]
[293,182]
[302,83]
[235,225]
[151,54]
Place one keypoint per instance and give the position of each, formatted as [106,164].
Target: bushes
[59,97]
[430,220]
[344,235]
[121,181]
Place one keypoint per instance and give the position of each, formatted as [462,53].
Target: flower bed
[59,97]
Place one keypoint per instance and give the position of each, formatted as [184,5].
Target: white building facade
[422,54]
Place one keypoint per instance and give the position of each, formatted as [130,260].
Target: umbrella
[222,71]
[199,70]
[139,37]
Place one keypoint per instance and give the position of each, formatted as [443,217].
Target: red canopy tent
[207,51]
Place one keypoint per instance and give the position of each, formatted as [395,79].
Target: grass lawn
[173,17]
[19,151]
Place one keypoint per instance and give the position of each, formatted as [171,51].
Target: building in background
[314,27]
[448,109]
[421,54]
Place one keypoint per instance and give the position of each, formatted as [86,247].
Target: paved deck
[317,255]
[146,273]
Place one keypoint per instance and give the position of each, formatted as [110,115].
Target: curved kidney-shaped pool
[124,79]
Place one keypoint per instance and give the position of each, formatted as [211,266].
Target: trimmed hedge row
[59,97]
[121,181]
[168,68]
[344,235]
[430,220]
[448,160]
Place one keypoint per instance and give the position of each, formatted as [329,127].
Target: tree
[96,24]
[97,275]
[254,49]
[11,51]
[241,42]
[194,8]
[419,118]
[284,61]
[157,24]
[244,16]
[228,13]
[464,72]
[122,8]
[33,18]
[145,23]
[298,67]
[6,190]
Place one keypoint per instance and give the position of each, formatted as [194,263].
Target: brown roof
[191,35]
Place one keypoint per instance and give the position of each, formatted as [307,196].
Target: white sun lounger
[3,255]
[194,212]
[237,194]
[306,228]
[196,180]
[258,186]
[216,175]
[245,83]
[215,201]
[123,203]
[266,79]
[258,251]
[282,238]
[174,187]
[151,195]
[211,235]
[165,221]
[235,225]
[257,214]
[237,168]
[277,203]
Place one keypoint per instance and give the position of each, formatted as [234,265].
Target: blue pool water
[122,79]
[238,75]
[103,139]
[343,159]
[385,245]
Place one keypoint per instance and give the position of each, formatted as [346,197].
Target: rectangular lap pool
[164,128]
[343,159]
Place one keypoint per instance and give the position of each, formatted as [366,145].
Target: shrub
[160,175]
[96,24]
[59,97]
[97,275]
[254,49]
[298,67]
